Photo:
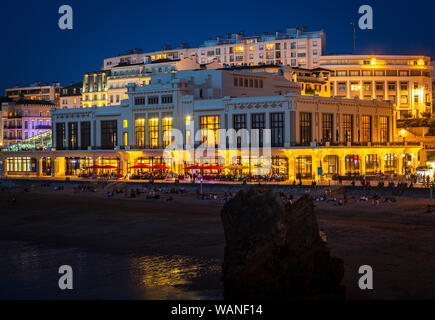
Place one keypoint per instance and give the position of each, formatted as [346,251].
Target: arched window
[353,164]
[304,167]
[390,163]
[372,164]
[330,165]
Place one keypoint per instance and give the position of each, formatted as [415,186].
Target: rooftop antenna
[354,36]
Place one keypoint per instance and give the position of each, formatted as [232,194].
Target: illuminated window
[352,164]
[355,87]
[212,123]
[239,49]
[372,164]
[125,138]
[140,133]
[166,126]
[270,46]
[153,133]
[188,119]
[125,123]
[304,167]
[330,165]
[390,162]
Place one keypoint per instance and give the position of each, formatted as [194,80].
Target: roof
[40,102]
[164,60]
[261,66]
[126,64]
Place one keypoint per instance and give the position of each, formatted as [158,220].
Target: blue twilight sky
[34,48]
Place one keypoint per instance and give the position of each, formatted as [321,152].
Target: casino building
[311,136]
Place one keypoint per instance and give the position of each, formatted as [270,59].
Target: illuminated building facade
[24,119]
[36,91]
[94,92]
[402,79]
[313,81]
[293,47]
[309,134]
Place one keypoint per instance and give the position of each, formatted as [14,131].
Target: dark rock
[275,251]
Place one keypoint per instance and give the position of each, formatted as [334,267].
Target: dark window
[166,99]
[73,136]
[153,100]
[384,127]
[239,122]
[85,135]
[140,101]
[366,126]
[60,136]
[305,128]
[109,134]
[348,127]
[277,126]
[258,122]
[327,127]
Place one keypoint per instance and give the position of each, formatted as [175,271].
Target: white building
[294,47]
[405,80]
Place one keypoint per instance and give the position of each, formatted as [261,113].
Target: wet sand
[397,240]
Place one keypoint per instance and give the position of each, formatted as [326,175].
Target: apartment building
[24,119]
[71,96]
[293,47]
[404,80]
[36,91]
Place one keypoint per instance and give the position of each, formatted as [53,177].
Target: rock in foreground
[275,251]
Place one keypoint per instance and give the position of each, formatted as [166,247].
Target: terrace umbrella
[160,167]
[111,167]
[95,166]
[195,167]
[141,166]
[213,168]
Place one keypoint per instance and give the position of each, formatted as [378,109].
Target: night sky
[34,48]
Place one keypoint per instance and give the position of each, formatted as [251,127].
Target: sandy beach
[396,239]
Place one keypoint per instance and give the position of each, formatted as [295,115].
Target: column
[53,166]
[400,162]
[67,135]
[79,136]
